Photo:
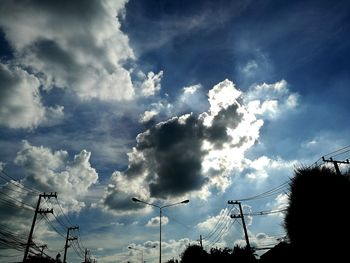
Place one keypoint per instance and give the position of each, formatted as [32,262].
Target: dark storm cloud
[173,151]
[228,117]
[188,154]
[174,155]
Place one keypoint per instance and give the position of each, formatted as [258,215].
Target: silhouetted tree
[243,254]
[317,219]
[221,255]
[238,254]
[194,253]
[39,259]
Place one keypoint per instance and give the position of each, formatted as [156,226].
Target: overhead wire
[336,151]
[52,226]
[222,232]
[223,213]
[219,231]
[63,213]
[15,200]
[283,186]
[30,189]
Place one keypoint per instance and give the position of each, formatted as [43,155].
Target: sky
[210,101]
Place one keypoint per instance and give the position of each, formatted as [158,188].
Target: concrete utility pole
[37,211]
[200,241]
[335,163]
[243,221]
[68,239]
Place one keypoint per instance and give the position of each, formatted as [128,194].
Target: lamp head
[135,199]
[185,201]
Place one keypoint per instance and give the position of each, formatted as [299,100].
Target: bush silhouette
[195,253]
[317,219]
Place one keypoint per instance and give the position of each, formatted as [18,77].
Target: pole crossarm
[45,211]
[330,160]
[335,163]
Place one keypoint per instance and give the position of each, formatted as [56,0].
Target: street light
[130,247]
[160,219]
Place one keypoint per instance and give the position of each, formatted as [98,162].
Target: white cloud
[250,68]
[88,58]
[222,95]
[279,203]
[45,171]
[20,100]
[52,171]
[264,167]
[212,221]
[154,222]
[282,201]
[148,115]
[152,84]
[270,100]
[191,89]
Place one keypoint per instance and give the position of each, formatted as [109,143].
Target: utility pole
[201,241]
[335,163]
[243,221]
[86,251]
[68,239]
[37,211]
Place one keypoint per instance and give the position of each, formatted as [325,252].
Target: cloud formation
[151,85]
[154,222]
[88,58]
[189,154]
[271,100]
[20,101]
[52,171]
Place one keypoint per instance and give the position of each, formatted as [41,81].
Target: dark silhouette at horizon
[317,224]
[317,220]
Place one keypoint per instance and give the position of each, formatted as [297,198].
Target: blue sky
[209,101]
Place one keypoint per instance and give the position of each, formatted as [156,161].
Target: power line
[52,226]
[336,151]
[222,232]
[223,213]
[273,191]
[283,186]
[25,187]
[64,215]
[15,200]
[216,234]
[266,212]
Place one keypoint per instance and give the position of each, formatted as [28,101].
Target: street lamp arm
[141,201]
[183,202]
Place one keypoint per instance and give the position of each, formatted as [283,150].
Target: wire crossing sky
[164,101]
